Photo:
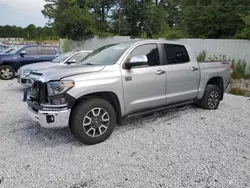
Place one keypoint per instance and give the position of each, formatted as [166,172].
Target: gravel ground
[186,147]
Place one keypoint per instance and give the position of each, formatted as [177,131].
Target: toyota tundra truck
[124,80]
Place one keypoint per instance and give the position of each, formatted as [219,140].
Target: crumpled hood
[39,66]
[58,72]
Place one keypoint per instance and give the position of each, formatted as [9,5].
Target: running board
[159,109]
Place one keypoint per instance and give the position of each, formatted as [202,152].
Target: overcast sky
[22,12]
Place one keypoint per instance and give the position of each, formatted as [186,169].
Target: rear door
[183,74]
[144,86]
[47,53]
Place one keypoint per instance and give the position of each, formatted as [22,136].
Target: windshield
[106,55]
[16,50]
[62,58]
[9,50]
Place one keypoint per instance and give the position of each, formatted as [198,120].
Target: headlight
[26,72]
[58,87]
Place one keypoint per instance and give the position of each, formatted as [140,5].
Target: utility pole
[119,27]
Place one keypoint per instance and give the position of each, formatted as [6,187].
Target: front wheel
[7,72]
[93,121]
[211,98]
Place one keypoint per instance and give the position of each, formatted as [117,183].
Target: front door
[30,57]
[144,86]
[183,74]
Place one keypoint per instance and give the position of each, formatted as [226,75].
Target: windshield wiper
[88,64]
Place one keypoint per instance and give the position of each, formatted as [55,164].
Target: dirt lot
[186,147]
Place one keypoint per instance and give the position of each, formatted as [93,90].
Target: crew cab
[25,55]
[124,80]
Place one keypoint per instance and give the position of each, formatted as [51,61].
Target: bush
[67,46]
[237,91]
[202,56]
[170,33]
[240,69]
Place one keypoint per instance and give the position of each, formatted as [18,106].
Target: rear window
[176,54]
[47,50]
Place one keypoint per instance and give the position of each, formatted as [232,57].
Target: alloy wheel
[213,99]
[6,73]
[96,122]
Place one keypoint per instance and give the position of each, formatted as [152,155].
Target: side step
[159,109]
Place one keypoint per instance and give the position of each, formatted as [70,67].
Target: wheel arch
[218,81]
[109,96]
[8,64]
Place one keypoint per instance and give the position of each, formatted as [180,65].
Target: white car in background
[64,59]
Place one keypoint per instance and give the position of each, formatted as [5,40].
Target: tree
[75,23]
[30,32]
[213,19]
[245,32]
[149,18]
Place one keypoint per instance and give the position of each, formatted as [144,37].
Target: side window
[150,50]
[176,54]
[47,50]
[78,57]
[31,50]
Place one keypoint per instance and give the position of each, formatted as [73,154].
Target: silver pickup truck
[125,79]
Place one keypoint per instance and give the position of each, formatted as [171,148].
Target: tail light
[231,69]
[231,66]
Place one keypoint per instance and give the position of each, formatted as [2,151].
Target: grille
[38,92]
[23,81]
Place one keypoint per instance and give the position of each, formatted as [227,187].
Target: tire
[211,98]
[83,114]
[7,72]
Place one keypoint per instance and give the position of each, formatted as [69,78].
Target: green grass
[202,56]
[237,91]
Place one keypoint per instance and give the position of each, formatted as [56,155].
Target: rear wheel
[211,98]
[7,72]
[93,121]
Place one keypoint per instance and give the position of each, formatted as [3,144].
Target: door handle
[194,69]
[160,72]
[36,57]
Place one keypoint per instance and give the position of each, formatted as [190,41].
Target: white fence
[220,48]
[96,42]
[215,48]
[10,39]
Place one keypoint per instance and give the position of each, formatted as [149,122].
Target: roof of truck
[148,41]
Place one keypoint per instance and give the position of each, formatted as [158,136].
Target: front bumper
[54,119]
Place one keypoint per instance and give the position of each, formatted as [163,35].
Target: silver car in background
[64,59]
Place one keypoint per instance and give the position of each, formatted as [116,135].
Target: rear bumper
[229,87]
[54,119]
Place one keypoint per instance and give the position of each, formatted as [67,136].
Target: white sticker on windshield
[119,47]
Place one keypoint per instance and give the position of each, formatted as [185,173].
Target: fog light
[50,118]
[59,101]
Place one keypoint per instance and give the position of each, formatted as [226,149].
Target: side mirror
[22,53]
[71,61]
[136,61]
